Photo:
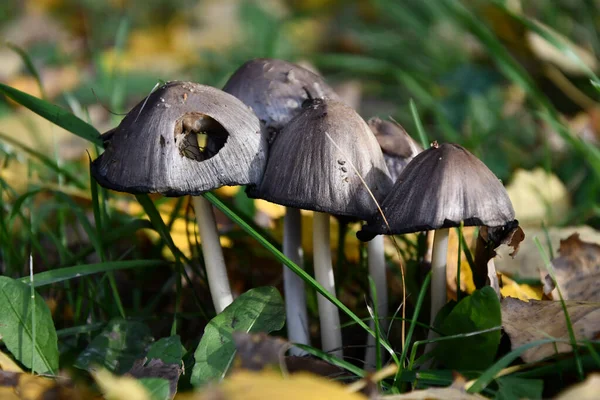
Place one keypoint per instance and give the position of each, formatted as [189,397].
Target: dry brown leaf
[577,270]
[156,368]
[257,351]
[526,322]
[586,390]
[529,262]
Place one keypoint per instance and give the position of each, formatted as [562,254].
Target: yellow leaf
[119,387]
[247,385]
[7,364]
[521,291]
[467,284]
[538,197]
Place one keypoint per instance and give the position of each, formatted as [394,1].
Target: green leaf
[257,310]
[67,273]
[117,346]
[54,114]
[169,350]
[16,327]
[157,388]
[512,388]
[477,312]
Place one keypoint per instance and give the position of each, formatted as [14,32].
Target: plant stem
[438,278]
[378,274]
[216,271]
[293,285]
[331,335]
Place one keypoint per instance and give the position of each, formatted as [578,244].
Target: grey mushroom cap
[439,188]
[155,148]
[311,163]
[396,144]
[275,89]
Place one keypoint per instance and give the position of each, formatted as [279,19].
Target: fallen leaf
[577,270]
[529,262]
[248,385]
[520,291]
[257,351]
[538,197]
[156,368]
[7,364]
[19,386]
[488,240]
[586,390]
[119,387]
[526,322]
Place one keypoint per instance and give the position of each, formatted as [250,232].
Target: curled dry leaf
[529,263]
[577,270]
[157,368]
[488,241]
[257,351]
[586,390]
[526,322]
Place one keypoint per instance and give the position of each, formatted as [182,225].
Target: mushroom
[275,90]
[187,138]
[438,189]
[398,150]
[335,155]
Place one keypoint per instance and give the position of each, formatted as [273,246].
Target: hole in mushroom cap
[199,136]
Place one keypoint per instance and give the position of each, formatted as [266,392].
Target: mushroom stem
[377,272]
[293,286]
[329,317]
[438,279]
[216,272]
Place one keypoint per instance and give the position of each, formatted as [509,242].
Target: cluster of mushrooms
[283,132]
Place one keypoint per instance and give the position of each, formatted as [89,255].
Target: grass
[99,261]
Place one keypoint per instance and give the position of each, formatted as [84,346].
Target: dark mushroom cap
[307,170]
[275,89]
[439,188]
[397,146]
[155,148]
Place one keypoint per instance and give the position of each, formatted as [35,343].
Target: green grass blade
[296,269]
[29,65]
[54,114]
[490,373]
[68,273]
[559,44]
[419,125]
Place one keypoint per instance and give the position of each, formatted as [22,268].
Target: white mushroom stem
[293,286]
[216,272]
[377,272]
[438,278]
[329,317]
